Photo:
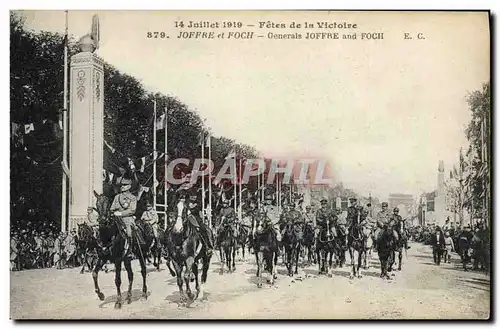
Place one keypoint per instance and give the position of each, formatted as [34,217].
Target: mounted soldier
[272,214]
[384,221]
[325,218]
[151,217]
[398,221]
[124,206]
[294,216]
[194,209]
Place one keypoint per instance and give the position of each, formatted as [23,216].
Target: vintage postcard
[250,165]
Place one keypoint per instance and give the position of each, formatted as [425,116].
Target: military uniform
[194,209]
[124,206]
[325,218]
[384,219]
[150,216]
[294,217]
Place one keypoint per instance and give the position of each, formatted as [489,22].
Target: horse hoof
[221,272]
[351,277]
[129,301]
[81,272]
[118,305]
[100,295]
[275,276]
[360,276]
[392,274]
[259,285]
[145,296]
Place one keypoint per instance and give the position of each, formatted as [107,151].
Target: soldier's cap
[385,204]
[396,209]
[308,207]
[368,204]
[323,201]
[353,199]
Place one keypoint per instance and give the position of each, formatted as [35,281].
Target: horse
[292,243]
[401,243]
[149,239]
[185,247]
[356,246]
[227,247]
[325,247]
[86,244]
[309,242]
[243,238]
[265,243]
[113,237]
[340,244]
[480,245]
[385,249]
[368,233]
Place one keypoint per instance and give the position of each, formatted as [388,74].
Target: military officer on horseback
[325,218]
[194,209]
[397,219]
[384,221]
[294,216]
[151,217]
[124,206]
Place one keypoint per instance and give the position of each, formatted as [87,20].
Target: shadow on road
[136,295]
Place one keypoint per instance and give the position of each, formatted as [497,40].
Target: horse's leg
[194,269]
[222,260]
[95,273]
[352,272]
[83,256]
[142,263]
[130,273]
[360,260]
[297,259]
[318,256]
[118,282]
[400,259]
[258,257]
[187,276]
[178,271]
[234,256]
[275,266]
[204,272]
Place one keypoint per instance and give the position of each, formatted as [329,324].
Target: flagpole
[234,181]
[64,209]
[239,207]
[165,157]
[155,156]
[209,181]
[203,177]
[258,191]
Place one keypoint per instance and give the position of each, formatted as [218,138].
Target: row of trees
[468,186]
[36,92]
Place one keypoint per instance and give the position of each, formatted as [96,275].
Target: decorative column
[86,131]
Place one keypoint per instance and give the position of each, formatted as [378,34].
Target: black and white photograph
[250,165]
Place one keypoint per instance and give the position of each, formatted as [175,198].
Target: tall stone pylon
[86,130]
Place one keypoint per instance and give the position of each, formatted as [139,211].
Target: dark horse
[86,245]
[265,245]
[356,246]
[309,242]
[227,247]
[385,249]
[325,249]
[113,249]
[292,241]
[243,239]
[185,247]
[400,243]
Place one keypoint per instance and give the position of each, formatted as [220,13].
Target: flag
[29,128]
[207,140]
[143,163]
[94,33]
[161,122]
[113,150]
[201,137]
[231,154]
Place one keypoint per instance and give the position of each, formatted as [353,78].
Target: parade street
[421,290]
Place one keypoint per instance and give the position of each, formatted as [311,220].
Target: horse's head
[103,204]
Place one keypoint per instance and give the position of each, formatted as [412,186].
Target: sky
[383,112]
